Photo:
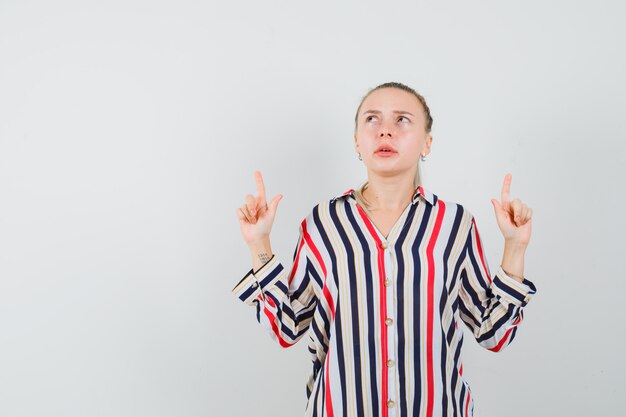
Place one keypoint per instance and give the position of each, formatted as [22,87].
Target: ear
[429,140]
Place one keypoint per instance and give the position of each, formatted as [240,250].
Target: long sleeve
[491,308]
[284,299]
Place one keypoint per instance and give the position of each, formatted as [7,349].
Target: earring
[360,159]
[423,157]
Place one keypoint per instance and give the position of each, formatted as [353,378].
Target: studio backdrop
[129,136]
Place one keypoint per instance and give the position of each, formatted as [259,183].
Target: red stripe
[318,256]
[329,400]
[467,401]
[313,248]
[271,318]
[502,342]
[295,265]
[329,299]
[383,311]
[480,250]
[430,310]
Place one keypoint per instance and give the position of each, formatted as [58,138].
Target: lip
[379,150]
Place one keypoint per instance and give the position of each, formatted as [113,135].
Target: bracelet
[511,275]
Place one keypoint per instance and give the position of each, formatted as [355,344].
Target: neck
[389,193]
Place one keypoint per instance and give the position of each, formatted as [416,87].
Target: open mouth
[385,152]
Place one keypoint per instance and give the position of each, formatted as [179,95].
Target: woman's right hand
[256,215]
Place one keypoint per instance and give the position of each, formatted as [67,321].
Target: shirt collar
[419,192]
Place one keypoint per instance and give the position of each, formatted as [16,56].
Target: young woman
[381,276]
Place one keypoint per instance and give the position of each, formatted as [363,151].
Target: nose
[385,131]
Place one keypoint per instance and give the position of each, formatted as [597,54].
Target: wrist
[261,252]
[259,243]
[513,260]
[516,247]
[515,276]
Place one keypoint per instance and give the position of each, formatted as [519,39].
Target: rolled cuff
[512,291]
[249,288]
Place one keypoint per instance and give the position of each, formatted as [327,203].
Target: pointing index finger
[506,189]
[260,188]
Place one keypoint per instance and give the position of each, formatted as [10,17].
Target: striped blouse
[381,314]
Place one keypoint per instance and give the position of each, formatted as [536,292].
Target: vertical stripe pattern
[381,313]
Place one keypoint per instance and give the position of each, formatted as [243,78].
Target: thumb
[496,205]
[274,203]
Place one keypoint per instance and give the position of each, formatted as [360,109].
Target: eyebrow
[379,112]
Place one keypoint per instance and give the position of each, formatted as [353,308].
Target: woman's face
[394,118]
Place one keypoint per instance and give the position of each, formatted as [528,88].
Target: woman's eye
[402,117]
[367,119]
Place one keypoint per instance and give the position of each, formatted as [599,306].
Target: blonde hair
[358,193]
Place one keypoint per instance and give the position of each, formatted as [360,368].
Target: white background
[129,134]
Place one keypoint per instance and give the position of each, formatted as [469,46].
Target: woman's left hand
[514,218]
